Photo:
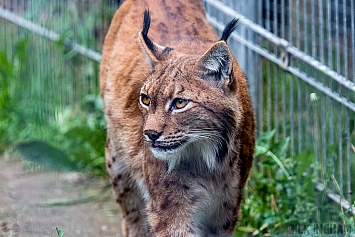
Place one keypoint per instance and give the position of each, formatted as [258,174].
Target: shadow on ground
[35,203]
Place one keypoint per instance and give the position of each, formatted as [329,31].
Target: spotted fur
[180,124]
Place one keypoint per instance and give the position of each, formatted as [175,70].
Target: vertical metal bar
[276,99]
[308,122]
[292,122]
[313,51]
[340,148]
[282,18]
[345,41]
[315,130]
[65,94]
[268,70]
[340,119]
[330,64]
[337,50]
[274,11]
[283,78]
[41,46]
[305,25]
[329,36]
[305,20]
[259,14]
[261,85]
[321,32]
[323,126]
[52,83]
[323,99]
[299,95]
[38,50]
[313,29]
[276,74]
[44,70]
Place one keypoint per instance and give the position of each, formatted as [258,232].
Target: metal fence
[299,57]
[306,88]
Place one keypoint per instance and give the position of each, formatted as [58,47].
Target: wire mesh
[61,78]
[315,107]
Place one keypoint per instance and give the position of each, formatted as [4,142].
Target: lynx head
[186,101]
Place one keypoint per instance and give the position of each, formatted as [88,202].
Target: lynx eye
[180,103]
[145,99]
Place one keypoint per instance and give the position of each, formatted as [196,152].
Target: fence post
[248,60]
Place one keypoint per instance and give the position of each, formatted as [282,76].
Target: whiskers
[207,143]
[199,147]
[206,134]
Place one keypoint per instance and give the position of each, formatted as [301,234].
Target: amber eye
[180,103]
[145,99]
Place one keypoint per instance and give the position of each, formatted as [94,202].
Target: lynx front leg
[129,199]
[170,212]
[168,225]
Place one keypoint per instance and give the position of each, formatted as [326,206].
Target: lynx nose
[152,134]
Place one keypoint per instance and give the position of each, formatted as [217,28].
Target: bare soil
[24,195]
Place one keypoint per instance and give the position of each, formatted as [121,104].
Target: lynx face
[185,109]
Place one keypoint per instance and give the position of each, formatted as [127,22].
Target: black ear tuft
[146,22]
[153,51]
[230,27]
[146,25]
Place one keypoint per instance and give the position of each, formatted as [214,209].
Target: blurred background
[299,58]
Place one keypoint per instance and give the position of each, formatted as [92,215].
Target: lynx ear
[154,51]
[217,63]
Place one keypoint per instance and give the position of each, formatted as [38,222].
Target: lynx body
[180,124]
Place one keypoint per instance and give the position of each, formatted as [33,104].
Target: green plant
[59,232]
[281,196]
[40,127]
[72,143]
[13,117]
[49,107]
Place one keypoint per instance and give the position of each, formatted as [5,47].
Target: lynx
[180,124]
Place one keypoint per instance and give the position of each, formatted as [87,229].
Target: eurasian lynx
[180,124]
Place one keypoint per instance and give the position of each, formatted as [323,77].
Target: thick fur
[176,172]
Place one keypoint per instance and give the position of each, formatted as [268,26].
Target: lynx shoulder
[180,123]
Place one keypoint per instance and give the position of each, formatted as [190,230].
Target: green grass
[276,201]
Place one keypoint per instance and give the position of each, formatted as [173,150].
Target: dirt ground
[25,195]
